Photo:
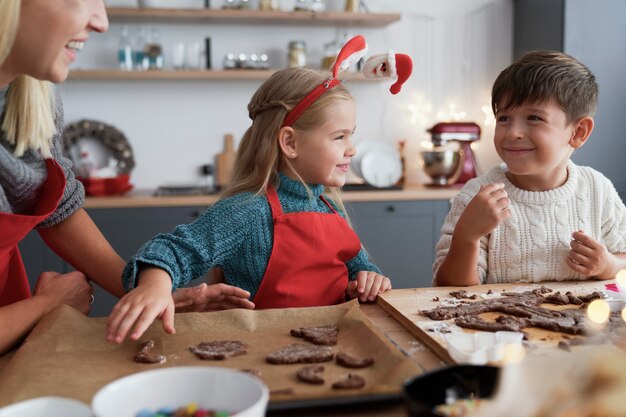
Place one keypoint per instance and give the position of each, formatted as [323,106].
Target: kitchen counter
[146,198]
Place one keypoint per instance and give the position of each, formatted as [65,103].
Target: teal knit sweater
[235,234]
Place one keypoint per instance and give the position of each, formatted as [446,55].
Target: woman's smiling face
[49,35]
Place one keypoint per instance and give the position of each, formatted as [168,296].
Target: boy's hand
[150,300]
[488,208]
[367,286]
[205,297]
[590,258]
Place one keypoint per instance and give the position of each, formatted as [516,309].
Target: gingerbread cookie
[323,335]
[348,361]
[219,350]
[311,374]
[299,353]
[350,381]
[144,356]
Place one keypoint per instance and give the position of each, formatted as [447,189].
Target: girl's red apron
[14,227]
[307,266]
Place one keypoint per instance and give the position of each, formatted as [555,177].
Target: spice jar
[297,54]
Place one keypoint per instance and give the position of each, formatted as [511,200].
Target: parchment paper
[67,354]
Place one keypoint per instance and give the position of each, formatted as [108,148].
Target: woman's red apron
[307,266]
[14,227]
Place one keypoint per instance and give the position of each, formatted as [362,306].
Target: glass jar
[331,50]
[297,54]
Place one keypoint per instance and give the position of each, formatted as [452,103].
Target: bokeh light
[598,311]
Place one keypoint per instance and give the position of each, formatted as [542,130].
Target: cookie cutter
[615,300]
[480,348]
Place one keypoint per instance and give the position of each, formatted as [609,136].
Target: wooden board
[405,306]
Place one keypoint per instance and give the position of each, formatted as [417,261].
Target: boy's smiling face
[535,140]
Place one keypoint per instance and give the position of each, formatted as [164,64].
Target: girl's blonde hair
[259,158]
[29,111]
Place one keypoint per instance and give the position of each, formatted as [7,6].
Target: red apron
[307,266]
[14,227]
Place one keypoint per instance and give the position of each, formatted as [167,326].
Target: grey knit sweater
[21,178]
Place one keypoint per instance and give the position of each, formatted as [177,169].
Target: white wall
[458,48]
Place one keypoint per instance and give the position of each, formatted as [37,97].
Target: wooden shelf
[170,75]
[103,74]
[255,16]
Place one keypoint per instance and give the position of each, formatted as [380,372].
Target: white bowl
[480,347]
[212,388]
[47,407]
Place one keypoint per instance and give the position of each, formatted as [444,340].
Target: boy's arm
[471,222]
[459,265]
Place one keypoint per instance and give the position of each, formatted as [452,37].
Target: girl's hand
[367,286]
[205,297]
[488,208]
[590,257]
[151,299]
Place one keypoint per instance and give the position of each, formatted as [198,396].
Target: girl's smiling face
[323,155]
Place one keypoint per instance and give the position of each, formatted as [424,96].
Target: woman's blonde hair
[28,121]
[259,158]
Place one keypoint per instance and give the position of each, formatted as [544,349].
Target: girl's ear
[582,130]
[287,141]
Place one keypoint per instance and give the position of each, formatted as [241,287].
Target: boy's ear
[582,130]
[287,141]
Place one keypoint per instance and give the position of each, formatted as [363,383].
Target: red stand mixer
[464,133]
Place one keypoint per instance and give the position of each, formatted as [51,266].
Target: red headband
[351,52]
[391,65]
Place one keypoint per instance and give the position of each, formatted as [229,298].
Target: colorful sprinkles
[190,410]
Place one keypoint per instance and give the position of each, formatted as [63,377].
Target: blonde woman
[39,39]
[273,233]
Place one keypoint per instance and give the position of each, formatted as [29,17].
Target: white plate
[211,387]
[381,168]
[365,146]
[47,407]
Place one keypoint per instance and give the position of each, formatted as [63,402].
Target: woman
[39,39]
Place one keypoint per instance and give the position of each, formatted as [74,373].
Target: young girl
[272,232]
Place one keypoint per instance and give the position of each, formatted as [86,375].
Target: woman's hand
[367,286]
[72,289]
[205,297]
[151,299]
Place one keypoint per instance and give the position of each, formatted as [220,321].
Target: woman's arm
[78,241]
[52,290]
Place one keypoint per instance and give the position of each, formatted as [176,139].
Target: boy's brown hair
[538,76]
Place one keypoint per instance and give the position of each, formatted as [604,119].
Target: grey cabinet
[400,237]
[126,229]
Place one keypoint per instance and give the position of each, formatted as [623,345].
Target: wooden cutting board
[405,306]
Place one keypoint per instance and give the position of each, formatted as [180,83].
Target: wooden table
[426,360]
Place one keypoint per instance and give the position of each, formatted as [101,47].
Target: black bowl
[423,393]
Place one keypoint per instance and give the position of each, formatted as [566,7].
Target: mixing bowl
[442,165]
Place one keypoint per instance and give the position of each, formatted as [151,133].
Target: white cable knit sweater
[532,245]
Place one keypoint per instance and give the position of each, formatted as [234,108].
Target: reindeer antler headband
[390,65]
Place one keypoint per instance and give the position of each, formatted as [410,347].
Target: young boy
[538,216]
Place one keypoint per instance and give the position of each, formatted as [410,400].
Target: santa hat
[392,65]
